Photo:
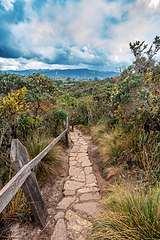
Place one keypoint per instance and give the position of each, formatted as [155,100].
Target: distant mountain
[80,74]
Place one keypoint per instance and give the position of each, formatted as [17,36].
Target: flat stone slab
[73,163]
[79,177]
[69,193]
[72,159]
[82,151]
[77,227]
[59,215]
[89,196]
[88,189]
[86,163]
[66,202]
[88,170]
[60,231]
[72,185]
[74,150]
[91,208]
[73,154]
[73,171]
[84,154]
[83,159]
[91,179]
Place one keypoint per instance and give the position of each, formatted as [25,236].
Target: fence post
[19,157]
[66,135]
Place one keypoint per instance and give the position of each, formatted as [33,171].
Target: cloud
[93,34]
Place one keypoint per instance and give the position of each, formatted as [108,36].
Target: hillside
[123,116]
[71,73]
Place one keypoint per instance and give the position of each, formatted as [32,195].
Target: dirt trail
[72,200]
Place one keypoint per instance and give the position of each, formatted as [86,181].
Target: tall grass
[51,163]
[116,146]
[16,209]
[129,149]
[129,214]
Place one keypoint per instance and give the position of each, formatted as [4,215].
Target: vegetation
[129,214]
[51,163]
[28,111]
[123,116]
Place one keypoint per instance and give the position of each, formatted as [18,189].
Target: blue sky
[62,34]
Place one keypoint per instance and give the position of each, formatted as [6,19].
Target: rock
[72,163]
[66,202]
[79,177]
[86,163]
[73,154]
[91,179]
[91,208]
[88,189]
[59,215]
[88,170]
[72,185]
[90,196]
[73,171]
[84,154]
[77,227]
[60,232]
[69,193]
[83,159]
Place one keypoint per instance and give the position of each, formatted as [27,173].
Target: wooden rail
[24,172]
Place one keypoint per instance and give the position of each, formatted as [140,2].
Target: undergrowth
[51,163]
[129,214]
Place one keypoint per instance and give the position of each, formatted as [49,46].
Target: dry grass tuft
[51,163]
[129,214]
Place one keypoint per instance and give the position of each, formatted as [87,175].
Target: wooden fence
[25,177]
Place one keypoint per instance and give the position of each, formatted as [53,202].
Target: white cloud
[154,3]
[8,4]
[85,30]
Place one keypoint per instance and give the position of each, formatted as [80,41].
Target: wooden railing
[25,177]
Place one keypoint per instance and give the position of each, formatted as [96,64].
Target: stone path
[81,195]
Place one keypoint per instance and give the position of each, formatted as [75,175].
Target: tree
[144,60]
[10,106]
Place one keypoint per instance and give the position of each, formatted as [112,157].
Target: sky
[62,34]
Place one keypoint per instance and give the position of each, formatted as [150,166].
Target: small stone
[50,210]
[59,215]
[66,202]
[60,232]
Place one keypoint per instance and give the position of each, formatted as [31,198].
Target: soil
[52,193]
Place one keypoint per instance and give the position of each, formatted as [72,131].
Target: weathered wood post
[19,157]
[66,135]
